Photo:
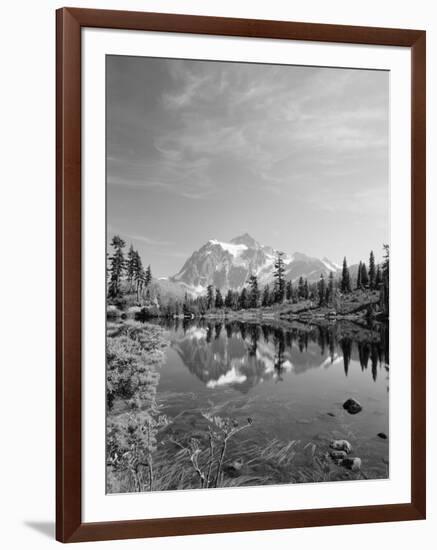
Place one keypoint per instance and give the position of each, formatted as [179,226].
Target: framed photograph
[240,275]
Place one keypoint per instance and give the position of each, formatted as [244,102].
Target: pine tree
[243,299]
[148,276]
[345,284]
[229,300]
[301,289]
[279,275]
[330,289]
[139,274]
[321,287]
[266,296]
[117,266]
[378,278]
[364,276]
[130,266]
[289,291]
[306,290]
[385,287]
[218,299]
[372,271]
[359,276]
[186,309]
[254,291]
[209,297]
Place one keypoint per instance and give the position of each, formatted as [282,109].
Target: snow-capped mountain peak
[228,265]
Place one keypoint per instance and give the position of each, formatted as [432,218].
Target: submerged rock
[352,406]
[338,455]
[353,464]
[382,435]
[341,445]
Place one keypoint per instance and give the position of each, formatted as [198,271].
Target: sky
[295,156]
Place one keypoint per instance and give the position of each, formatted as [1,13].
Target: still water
[291,379]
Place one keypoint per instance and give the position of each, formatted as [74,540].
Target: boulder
[352,406]
[341,445]
[338,455]
[353,464]
[382,435]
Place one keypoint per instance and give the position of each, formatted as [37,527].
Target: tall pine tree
[130,266]
[359,276]
[289,291]
[321,287]
[345,284]
[243,301]
[330,289]
[279,275]
[364,276]
[254,291]
[229,300]
[301,288]
[210,297]
[372,271]
[266,296]
[117,266]
[218,299]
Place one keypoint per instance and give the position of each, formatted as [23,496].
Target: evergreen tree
[385,286]
[321,287]
[306,290]
[372,271]
[345,284]
[378,278]
[229,300]
[209,297]
[139,274]
[289,291]
[148,276]
[301,289]
[266,296]
[279,275]
[218,299]
[330,289]
[186,309]
[364,276]
[130,266]
[117,266]
[244,299]
[254,291]
[359,276]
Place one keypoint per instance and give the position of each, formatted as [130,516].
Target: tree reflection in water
[218,352]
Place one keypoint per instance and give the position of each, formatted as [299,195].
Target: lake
[290,379]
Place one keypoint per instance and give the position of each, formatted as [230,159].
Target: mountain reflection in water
[242,355]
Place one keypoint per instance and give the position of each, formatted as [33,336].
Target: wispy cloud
[139,238]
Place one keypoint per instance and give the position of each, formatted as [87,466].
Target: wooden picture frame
[69,524]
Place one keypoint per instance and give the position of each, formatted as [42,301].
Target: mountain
[228,265]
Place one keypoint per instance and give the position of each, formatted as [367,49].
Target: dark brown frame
[69,526]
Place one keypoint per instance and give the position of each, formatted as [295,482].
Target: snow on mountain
[228,265]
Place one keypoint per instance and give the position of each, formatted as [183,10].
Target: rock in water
[338,455]
[382,435]
[341,445]
[352,406]
[353,464]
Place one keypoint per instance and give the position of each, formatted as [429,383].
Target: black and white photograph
[247,274]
